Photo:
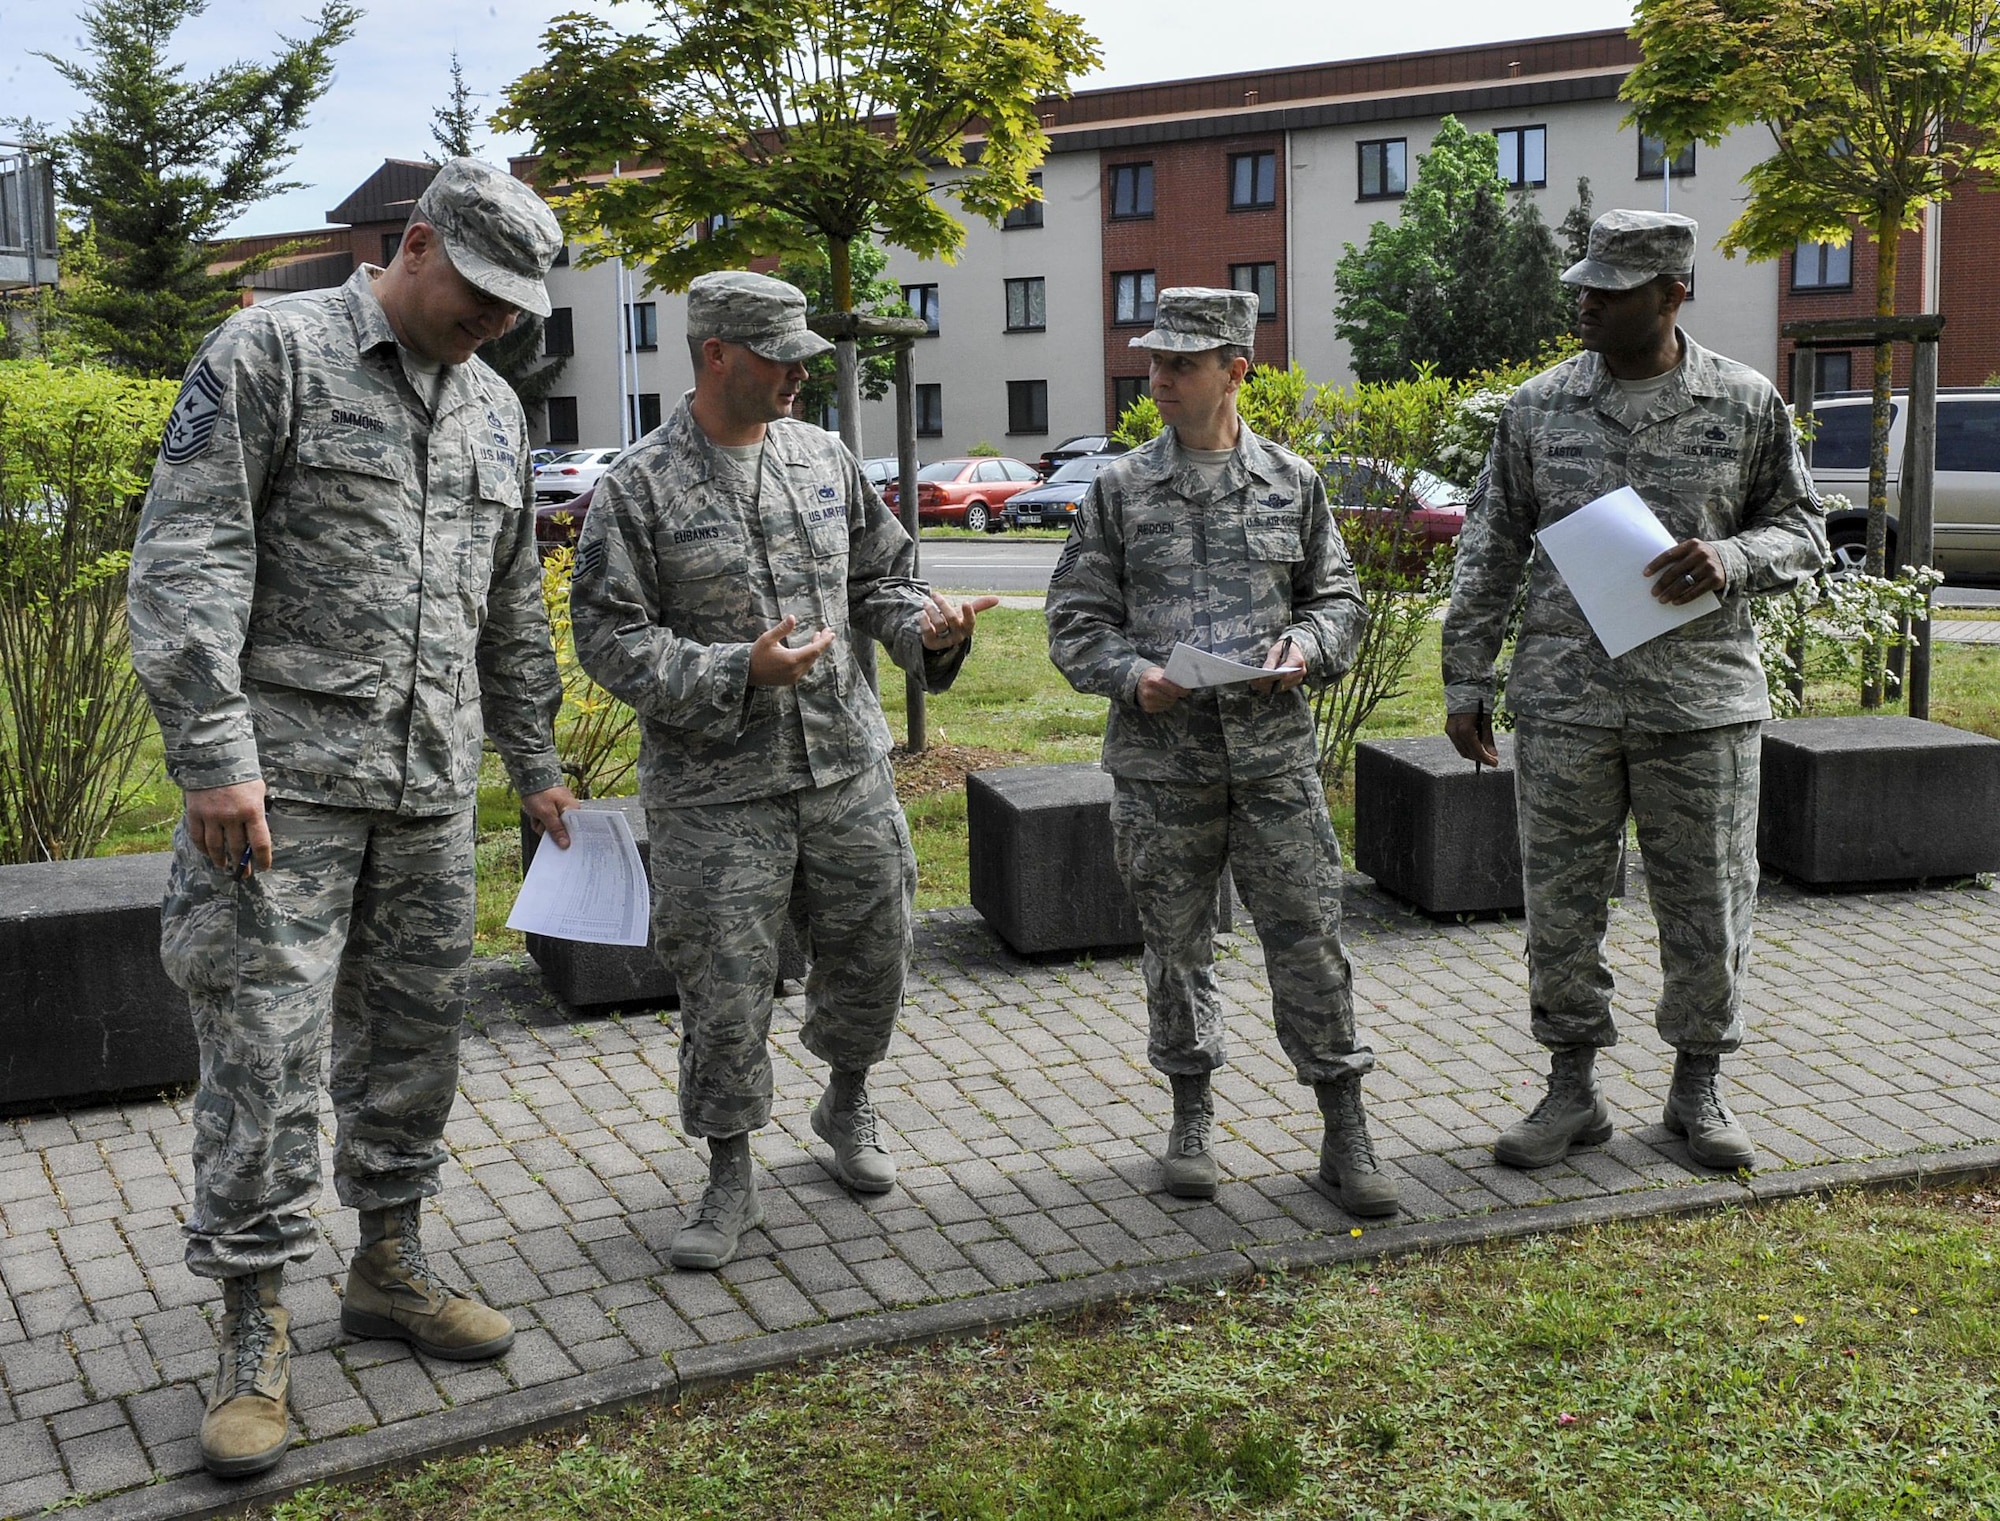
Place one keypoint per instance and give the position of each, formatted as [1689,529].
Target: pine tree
[159,165]
[453,123]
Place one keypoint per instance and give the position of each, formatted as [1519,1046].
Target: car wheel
[1848,546]
[976,517]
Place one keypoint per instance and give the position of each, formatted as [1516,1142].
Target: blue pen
[243,866]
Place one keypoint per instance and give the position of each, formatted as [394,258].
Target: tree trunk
[1888,233]
[847,396]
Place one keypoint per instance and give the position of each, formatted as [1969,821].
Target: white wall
[973,357]
[1735,309]
[591,375]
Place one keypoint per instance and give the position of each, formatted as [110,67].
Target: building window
[1263,279]
[642,326]
[1028,213]
[1653,158]
[1132,296]
[1524,156]
[715,222]
[922,300]
[1385,170]
[561,260]
[1823,266]
[1253,180]
[391,242]
[1027,406]
[1126,389]
[645,412]
[1027,305]
[1132,190]
[562,419]
[929,401]
[1832,371]
[558,333]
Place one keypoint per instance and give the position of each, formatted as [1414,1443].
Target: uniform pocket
[198,924]
[1278,542]
[315,709]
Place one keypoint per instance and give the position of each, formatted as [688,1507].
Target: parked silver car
[1967,495]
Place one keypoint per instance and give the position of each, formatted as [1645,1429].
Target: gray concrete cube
[88,1011]
[585,975]
[1038,841]
[1889,799]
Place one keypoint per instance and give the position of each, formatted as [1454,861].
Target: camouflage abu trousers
[1172,839]
[1693,796]
[365,916]
[724,878]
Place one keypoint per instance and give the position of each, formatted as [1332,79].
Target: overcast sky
[396,70]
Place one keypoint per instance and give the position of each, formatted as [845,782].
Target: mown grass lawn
[1820,1358]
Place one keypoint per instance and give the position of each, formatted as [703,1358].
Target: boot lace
[1350,1128]
[859,1118]
[1194,1125]
[254,1336]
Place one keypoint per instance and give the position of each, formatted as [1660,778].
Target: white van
[1967,495]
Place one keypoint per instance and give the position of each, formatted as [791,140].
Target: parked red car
[968,491]
[1419,512]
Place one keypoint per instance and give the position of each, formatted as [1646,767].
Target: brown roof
[387,195]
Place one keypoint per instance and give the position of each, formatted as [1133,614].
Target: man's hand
[1157,694]
[1471,735]
[947,626]
[1686,571]
[1283,656]
[223,822]
[773,663]
[545,810]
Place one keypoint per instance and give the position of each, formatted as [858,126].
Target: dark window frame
[1023,282]
[1142,177]
[1121,385]
[559,333]
[1142,318]
[1028,213]
[1822,370]
[1254,157]
[1362,192]
[645,413]
[928,403]
[1822,255]
[931,310]
[563,423]
[1036,395]
[1263,315]
[1657,146]
[1521,181]
[642,318]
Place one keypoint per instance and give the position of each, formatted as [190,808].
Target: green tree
[519,360]
[1574,228]
[763,128]
[453,123]
[1462,282]
[160,164]
[1875,108]
[873,292]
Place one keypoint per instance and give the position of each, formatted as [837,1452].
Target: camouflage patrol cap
[766,316]
[496,231]
[1628,248]
[1190,318]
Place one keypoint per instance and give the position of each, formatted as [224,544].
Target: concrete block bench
[1038,842]
[1436,833]
[1859,800]
[585,975]
[87,1010]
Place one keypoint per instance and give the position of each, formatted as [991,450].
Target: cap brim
[1596,275]
[1176,343]
[790,348]
[502,284]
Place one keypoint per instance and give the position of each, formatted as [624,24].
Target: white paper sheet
[1189,667]
[1601,551]
[596,890]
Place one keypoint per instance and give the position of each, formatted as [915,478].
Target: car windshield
[574,457]
[1436,491]
[943,470]
[1078,469]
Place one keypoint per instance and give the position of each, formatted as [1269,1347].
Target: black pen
[1286,649]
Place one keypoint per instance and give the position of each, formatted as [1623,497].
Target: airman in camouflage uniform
[334,594]
[1668,732]
[763,763]
[1212,536]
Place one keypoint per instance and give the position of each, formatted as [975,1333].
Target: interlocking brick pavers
[1026,1123]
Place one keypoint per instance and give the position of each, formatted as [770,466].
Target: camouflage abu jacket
[1158,557]
[1715,460]
[676,576]
[332,588]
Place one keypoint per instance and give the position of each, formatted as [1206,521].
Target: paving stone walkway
[1025,1121]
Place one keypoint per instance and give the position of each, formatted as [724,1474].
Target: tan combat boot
[1571,1113]
[1347,1159]
[845,1119]
[727,1209]
[1190,1164]
[392,1292]
[247,1429]
[1695,1109]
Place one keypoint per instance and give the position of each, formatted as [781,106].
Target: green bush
[595,732]
[76,446]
